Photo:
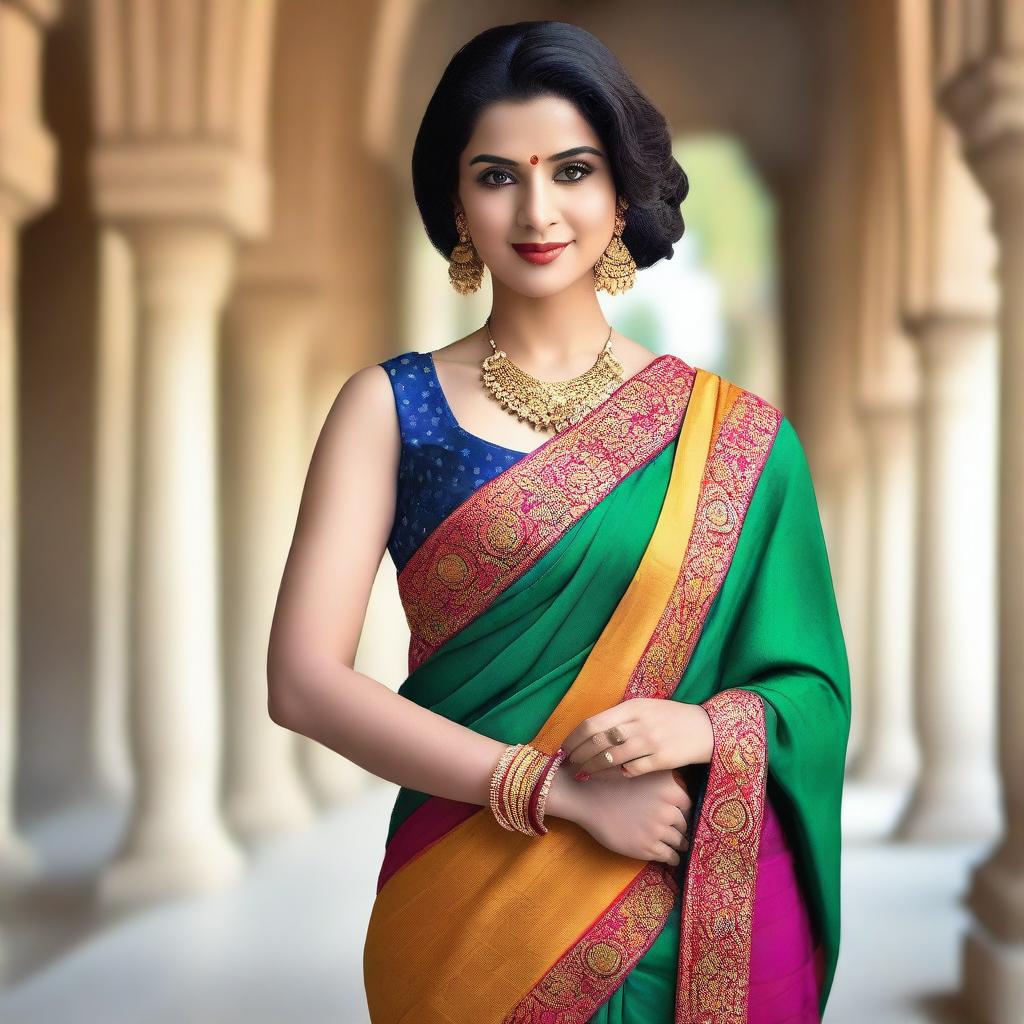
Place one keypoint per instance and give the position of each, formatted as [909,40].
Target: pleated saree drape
[666,546]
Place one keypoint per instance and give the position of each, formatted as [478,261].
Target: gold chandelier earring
[615,271]
[465,268]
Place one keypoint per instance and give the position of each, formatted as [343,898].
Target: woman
[622,736]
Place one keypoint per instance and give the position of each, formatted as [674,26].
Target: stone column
[887,754]
[947,302]
[27,184]
[176,841]
[955,796]
[984,97]
[179,168]
[268,341]
[887,391]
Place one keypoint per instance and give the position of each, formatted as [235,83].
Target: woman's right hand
[644,816]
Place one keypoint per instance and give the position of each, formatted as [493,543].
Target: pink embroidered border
[595,965]
[718,901]
[733,468]
[739,453]
[505,526]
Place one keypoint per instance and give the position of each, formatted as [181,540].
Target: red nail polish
[581,776]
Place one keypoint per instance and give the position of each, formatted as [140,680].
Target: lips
[539,252]
[538,246]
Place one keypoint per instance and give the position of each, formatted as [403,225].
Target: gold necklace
[550,403]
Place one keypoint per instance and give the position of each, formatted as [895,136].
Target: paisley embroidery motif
[718,905]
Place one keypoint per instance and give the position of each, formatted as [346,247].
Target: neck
[552,336]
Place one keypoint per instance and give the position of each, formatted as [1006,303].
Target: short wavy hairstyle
[527,59]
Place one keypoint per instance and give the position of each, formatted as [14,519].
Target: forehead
[543,125]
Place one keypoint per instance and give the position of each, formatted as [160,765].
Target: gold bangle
[519,787]
[519,782]
[497,778]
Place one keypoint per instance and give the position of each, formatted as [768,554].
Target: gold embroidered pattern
[733,468]
[508,523]
[739,451]
[597,964]
[718,903]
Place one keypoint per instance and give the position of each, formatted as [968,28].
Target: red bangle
[538,798]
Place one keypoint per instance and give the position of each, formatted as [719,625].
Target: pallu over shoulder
[665,546]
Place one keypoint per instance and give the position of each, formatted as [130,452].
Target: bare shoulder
[364,407]
[357,449]
[367,392]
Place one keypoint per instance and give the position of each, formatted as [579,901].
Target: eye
[583,168]
[494,170]
[580,168]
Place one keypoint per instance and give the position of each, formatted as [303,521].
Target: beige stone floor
[285,944]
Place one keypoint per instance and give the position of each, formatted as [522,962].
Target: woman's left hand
[643,734]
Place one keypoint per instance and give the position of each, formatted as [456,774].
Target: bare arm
[344,519]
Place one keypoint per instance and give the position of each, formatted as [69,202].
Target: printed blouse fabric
[441,464]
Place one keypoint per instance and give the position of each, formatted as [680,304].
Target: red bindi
[534,159]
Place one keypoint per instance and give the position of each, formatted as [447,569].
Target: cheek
[593,237]
[491,217]
[594,220]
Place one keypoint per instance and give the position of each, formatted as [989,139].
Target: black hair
[527,59]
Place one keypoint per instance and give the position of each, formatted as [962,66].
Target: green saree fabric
[773,629]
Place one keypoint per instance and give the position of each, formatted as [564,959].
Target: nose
[538,208]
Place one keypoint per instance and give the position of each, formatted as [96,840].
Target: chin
[549,281]
[538,289]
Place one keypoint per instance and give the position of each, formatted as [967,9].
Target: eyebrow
[488,158]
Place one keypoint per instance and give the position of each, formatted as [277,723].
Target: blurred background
[207,224]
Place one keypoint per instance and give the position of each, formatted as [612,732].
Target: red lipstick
[539,252]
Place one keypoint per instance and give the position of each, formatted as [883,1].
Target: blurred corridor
[207,224]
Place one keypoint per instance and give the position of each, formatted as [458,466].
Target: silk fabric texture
[668,545]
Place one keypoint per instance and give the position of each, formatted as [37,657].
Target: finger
[683,799]
[680,780]
[591,735]
[640,766]
[604,759]
[679,820]
[592,726]
[609,772]
[593,747]
[612,757]
[665,854]
[616,735]
[674,838]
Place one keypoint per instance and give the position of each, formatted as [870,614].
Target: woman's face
[510,200]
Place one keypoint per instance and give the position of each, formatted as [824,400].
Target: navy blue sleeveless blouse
[441,464]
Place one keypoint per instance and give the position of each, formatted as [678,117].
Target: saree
[668,546]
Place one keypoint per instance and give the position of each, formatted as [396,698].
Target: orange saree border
[501,529]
